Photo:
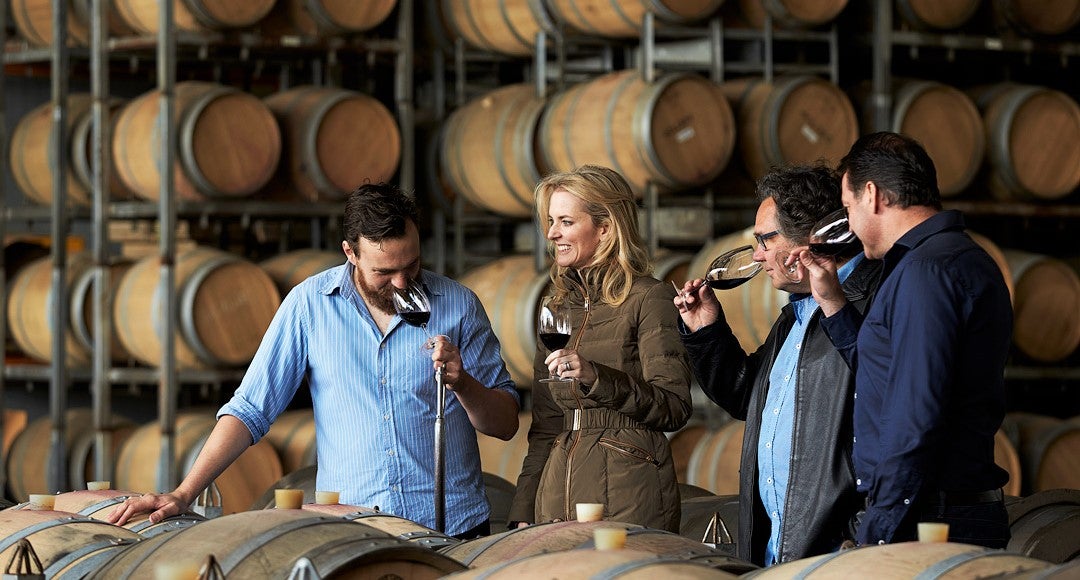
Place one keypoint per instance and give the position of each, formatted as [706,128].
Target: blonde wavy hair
[608,199]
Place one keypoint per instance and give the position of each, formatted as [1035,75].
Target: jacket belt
[598,419]
[966,497]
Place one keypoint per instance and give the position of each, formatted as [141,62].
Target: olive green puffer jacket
[607,445]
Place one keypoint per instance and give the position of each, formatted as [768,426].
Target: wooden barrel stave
[217,325]
[624,18]
[510,289]
[267,544]
[293,437]
[291,268]
[228,143]
[1046,306]
[486,151]
[143,16]
[714,464]
[335,140]
[677,132]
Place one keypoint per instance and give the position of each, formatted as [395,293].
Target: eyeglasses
[762,237]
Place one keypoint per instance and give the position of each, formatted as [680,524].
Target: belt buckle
[577,420]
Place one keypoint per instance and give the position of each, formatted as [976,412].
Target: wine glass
[732,268]
[553,326]
[413,306]
[832,235]
[790,271]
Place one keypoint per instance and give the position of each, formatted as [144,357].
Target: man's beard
[379,299]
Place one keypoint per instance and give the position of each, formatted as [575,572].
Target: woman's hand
[567,363]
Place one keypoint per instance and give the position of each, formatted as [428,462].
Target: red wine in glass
[554,340]
[832,235]
[732,268]
[413,306]
[553,327]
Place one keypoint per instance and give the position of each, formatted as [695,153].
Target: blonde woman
[600,438]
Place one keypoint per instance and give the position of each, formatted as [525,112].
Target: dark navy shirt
[929,360]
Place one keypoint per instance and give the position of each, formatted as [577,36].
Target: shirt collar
[804,305]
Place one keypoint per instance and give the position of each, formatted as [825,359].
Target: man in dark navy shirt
[929,356]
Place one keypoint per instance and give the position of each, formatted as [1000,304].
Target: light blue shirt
[778,416]
[374,396]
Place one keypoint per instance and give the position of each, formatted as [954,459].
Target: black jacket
[821,495]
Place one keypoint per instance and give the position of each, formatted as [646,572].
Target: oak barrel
[30,310]
[82,144]
[1007,458]
[937,14]
[677,132]
[318,18]
[29,459]
[682,444]
[791,13]
[998,256]
[487,150]
[714,464]
[335,140]
[948,125]
[291,268]
[504,26]
[1049,451]
[672,267]
[227,143]
[225,304]
[1046,306]
[504,458]
[31,153]
[585,563]
[268,543]
[1039,17]
[137,466]
[905,560]
[399,527]
[510,289]
[98,504]
[750,309]
[33,20]
[794,119]
[1045,525]
[67,545]
[1033,140]
[193,15]
[292,435]
[624,18]
[566,536]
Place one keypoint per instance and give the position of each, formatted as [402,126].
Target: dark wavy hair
[803,195]
[377,211]
[897,164]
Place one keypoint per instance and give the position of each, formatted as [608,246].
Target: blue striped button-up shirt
[374,395]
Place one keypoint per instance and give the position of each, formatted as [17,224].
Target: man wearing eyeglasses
[796,485]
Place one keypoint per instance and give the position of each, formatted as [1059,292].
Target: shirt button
[387,417]
[776,411]
[798,346]
[881,542]
[907,501]
[858,482]
[391,452]
[853,440]
[768,480]
[395,487]
[768,445]
[787,377]
[382,381]
[776,514]
[856,395]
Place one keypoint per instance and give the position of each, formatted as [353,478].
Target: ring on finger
[566,365]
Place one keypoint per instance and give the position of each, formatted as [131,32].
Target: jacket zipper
[576,437]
